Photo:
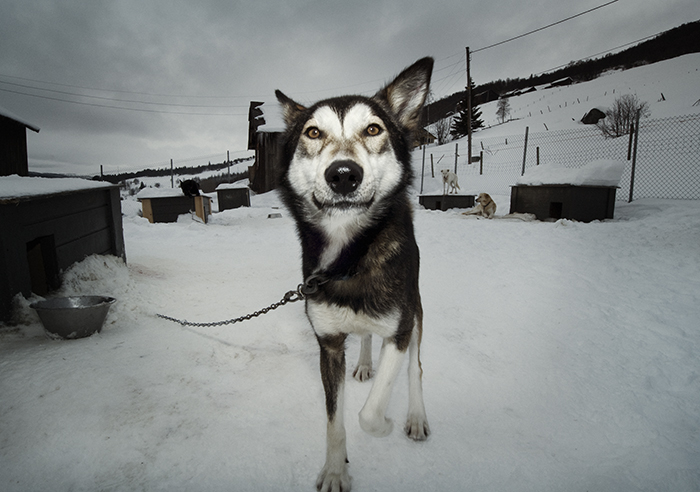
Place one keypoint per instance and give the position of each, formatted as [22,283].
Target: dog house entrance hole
[43,267]
[555,209]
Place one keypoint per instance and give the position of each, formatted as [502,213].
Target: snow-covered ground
[557,356]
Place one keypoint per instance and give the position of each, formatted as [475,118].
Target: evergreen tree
[460,126]
[460,123]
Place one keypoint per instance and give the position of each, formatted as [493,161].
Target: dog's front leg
[416,427]
[372,416]
[334,475]
[363,371]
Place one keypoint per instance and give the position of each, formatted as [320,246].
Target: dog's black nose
[344,176]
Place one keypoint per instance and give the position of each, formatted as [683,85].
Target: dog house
[167,205]
[232,196]
[49,224]
[444,202]
[554,202]
[554,192]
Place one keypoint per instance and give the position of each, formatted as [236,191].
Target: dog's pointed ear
[290,109]
[405,96]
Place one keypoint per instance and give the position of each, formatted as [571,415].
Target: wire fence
[667,163]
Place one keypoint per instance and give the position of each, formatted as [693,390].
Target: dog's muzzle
[344,176]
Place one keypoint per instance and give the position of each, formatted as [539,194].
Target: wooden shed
[265,129]
[49,224]
[445,202]
[563,201]
[13,144]
[232,196]
[167,204]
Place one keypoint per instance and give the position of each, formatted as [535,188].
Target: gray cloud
[214,56]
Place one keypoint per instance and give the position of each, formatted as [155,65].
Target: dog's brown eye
[313,132]
[373,130]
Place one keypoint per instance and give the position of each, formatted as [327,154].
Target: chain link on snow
[308,288]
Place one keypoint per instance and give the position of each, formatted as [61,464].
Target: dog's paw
[377,426]
[417,427]
[334,480]
[362,372]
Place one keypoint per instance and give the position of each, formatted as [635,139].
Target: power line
[103,98]
[122,91]
[142,110]
[545,27]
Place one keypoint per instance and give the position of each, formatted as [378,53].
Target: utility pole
[469,110]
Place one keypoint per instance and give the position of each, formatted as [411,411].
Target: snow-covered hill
[552,116]
[670,87]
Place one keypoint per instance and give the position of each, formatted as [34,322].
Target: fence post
[634,157]
[172,176]
[538,156]
[629,144]
[527,130]
[481,163]
[456,156]
[432,168]
[422,171]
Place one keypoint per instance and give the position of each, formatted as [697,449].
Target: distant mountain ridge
[675,42]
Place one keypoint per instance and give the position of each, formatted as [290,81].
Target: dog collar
[313,282]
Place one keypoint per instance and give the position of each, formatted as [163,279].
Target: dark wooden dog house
[232,197]
[562,201]
[444,202]
[168,208]
[45,232]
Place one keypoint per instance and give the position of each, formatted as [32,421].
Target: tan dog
[485,206]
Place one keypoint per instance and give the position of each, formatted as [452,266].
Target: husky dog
[485,207]
[345,173]
[449,182]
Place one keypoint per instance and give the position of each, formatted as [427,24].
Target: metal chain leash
[308,288]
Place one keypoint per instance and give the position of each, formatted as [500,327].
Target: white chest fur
[328,319]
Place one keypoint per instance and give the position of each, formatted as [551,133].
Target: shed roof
[9,114]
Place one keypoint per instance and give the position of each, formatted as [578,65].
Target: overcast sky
[188,70]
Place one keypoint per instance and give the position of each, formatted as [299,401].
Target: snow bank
[158,193]
[15,186]
[272,116]
[243,183]
[603,172]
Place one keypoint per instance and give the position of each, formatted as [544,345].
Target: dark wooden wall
[268,158]
[554,202]
[66,227]
[13,148]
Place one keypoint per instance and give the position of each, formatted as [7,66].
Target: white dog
[485,206]
[449,182]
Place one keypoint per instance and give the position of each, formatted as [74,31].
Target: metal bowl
[73,317]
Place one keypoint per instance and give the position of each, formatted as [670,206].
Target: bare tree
[503,109]
[623,113]
[442,129]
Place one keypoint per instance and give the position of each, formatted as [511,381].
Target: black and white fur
[344,178]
